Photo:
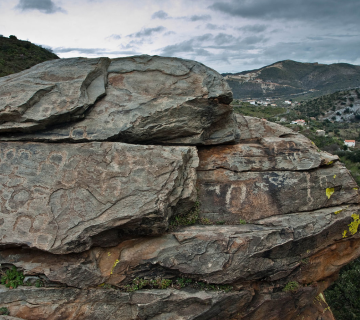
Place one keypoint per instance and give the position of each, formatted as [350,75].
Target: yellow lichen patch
[353,226]
[113,267]
[330,162]
[109,254]
[313,142]
[356,188]
[329,192]
[344,234]
[336,212]
[334,176]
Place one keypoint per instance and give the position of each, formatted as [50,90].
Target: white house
[299,122]
[253,102]
[287,102]
[349,143]
[320,133]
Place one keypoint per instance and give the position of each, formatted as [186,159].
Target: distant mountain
[290,78]
[17,55]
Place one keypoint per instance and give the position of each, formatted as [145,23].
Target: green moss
[291,286]
[4,311]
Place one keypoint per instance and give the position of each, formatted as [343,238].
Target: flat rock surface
[57,197]
[154,100]
[269,250]
[51,92]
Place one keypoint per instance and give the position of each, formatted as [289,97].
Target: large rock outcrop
[254,223]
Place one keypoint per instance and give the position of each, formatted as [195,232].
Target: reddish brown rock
[271,250]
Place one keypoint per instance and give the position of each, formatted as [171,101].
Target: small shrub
[12,278]
[188,218]
[4,311]
[241,221]
[291,286]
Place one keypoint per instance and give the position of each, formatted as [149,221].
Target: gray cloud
[163,16]
[146,32]
[255,28]
[114,37]
[44,6]
[315,10]
[193,45]
[211,26]
[94,51]
[204,17]
[160,15]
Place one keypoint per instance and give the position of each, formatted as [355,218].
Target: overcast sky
[227,35]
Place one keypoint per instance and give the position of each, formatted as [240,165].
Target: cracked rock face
[51,92]
[151,100]
[56,197]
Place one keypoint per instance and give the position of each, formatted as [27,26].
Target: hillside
[18,55]
[290,78]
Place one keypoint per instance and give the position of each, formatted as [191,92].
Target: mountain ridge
[287,77]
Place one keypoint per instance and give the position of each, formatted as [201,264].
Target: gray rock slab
[152,99]
[58,197]
[54,91]
[270,249]
[94,304]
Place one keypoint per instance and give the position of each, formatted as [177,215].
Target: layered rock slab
[280,173]
[154,100]
[71,304]
[270,250]
[62,197]
[51,92]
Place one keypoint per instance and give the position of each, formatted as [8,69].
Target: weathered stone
[229,195]
[63,197]
[269,250]
[293,153]
[154,100]
[55,91]
[71,304]
[254,128]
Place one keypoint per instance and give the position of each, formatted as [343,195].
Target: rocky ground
[129,190]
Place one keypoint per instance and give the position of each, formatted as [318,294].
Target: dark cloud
[160,15]
[44,6]
[147,32]
[315,10]
[255,28]
[204,17]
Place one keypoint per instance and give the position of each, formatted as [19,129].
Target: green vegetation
[17,55]
[12,278]
[241,221]
[159,283]
[291,286]
[4,311]
[265,112]
[343,295]
[188,218]
[318,107]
